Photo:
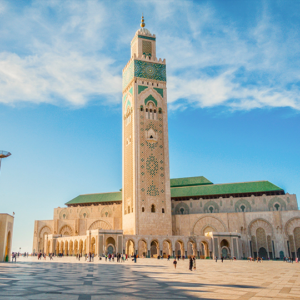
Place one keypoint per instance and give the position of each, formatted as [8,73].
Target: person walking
[222,258]
[194,263]
[175,263]
[216,258]
[191,264]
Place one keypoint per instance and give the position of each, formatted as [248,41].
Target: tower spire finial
[142,22]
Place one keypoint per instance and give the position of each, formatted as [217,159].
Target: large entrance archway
[142,248]
[154,249]
[167,248]
[191,249]
[110,245]
[130,248]
[262,253]
[81,247]
[225,250]
[204,249]
[179,248]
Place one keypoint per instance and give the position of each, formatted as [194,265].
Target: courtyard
[70,279]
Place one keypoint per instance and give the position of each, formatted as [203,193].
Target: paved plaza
[66,278]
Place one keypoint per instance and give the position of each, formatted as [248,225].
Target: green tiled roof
[189,181]
[227,188]
[95,198]
[189,187]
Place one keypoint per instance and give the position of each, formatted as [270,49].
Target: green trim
[131,91]
[150,98]
[189,181]
[96,198]
[224,189]
[124,98]
[146,37]
[160,91]
[141,88]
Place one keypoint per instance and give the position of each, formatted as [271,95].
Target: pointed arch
[66,230]
[206,221]
[100,224]
[260,222]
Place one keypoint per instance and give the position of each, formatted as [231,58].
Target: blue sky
[233,94]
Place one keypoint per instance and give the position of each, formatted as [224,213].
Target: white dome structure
[144,31]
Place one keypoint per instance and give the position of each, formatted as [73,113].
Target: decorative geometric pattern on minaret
[144,69]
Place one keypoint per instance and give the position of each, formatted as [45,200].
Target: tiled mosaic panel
[152,153]
[151,98]
[150,70]
[147,48]
[141,88]
[128,75]
[152,190]
[160,91]
[144,69]
[152,165]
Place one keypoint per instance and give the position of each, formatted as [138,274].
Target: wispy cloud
[73,52]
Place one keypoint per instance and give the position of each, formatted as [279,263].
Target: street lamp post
[3,154]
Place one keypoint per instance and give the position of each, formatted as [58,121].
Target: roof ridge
[189,177]
[99,193]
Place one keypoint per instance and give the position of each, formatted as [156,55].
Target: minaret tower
[146,177]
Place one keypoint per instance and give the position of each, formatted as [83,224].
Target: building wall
[6,233]
[231,204]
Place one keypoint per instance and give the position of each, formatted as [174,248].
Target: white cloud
[63,63]
[72,52]
[53,78]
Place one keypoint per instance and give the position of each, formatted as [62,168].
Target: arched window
[181,210]
[141,108]
[163,210]
[84,215]
[146,109]
[277,206]
[211,209]
[153,208]
[64,216]
[143,209]
[243,207]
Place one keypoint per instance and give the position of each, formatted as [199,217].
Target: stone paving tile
[68,279]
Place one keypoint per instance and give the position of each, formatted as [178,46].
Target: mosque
[154,215]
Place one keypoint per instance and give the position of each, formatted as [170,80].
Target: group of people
[232,258]
[290,259]
[192,261]
[111,257]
